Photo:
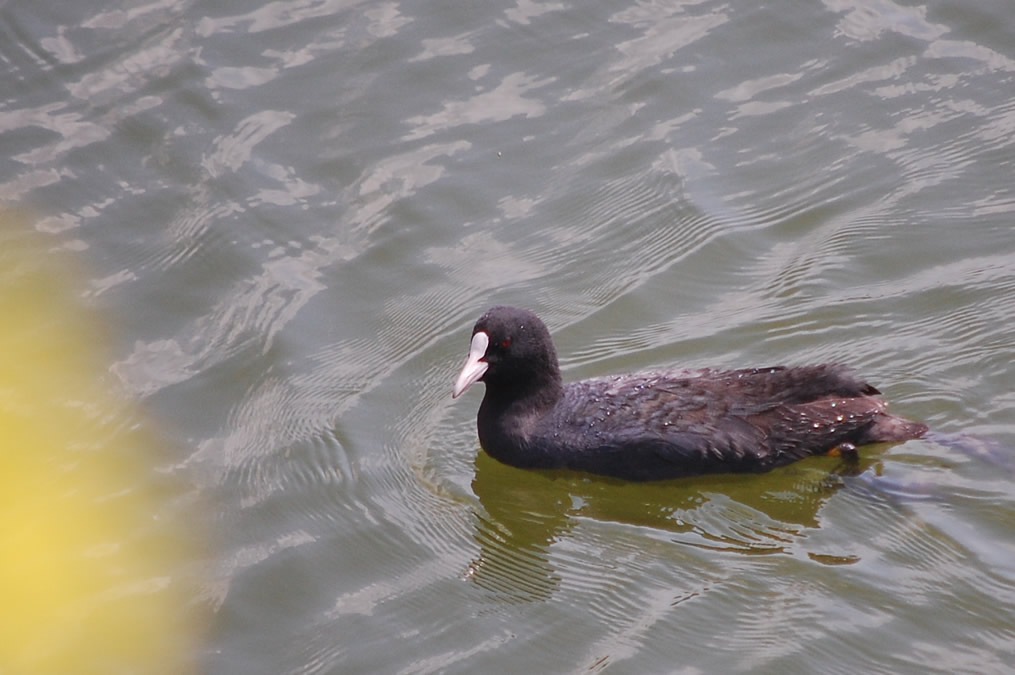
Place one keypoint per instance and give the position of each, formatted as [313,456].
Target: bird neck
[508,417]
[528,394]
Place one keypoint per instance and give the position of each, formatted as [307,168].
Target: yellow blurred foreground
[90,557]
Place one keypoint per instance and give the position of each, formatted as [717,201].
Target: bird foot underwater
[844,450]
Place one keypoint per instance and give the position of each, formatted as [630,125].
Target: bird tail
[889,428]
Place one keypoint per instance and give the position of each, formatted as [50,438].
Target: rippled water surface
[292,213]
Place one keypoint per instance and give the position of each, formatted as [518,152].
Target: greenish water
[292,213]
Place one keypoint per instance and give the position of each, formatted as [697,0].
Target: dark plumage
[661,424]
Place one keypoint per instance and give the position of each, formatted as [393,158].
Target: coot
[665,423]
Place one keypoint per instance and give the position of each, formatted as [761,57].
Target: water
[291,214]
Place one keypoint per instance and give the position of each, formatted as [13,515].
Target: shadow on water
[988,453]
[976,478]
[525,513]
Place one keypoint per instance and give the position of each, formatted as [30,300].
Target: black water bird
[666,423]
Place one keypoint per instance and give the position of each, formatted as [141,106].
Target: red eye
[505,343]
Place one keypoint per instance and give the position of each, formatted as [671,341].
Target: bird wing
[696,421]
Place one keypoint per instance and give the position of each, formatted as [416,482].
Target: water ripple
[296,211]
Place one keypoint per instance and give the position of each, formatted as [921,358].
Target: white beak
[474,365]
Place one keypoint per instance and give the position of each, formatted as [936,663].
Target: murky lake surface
[292,213]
